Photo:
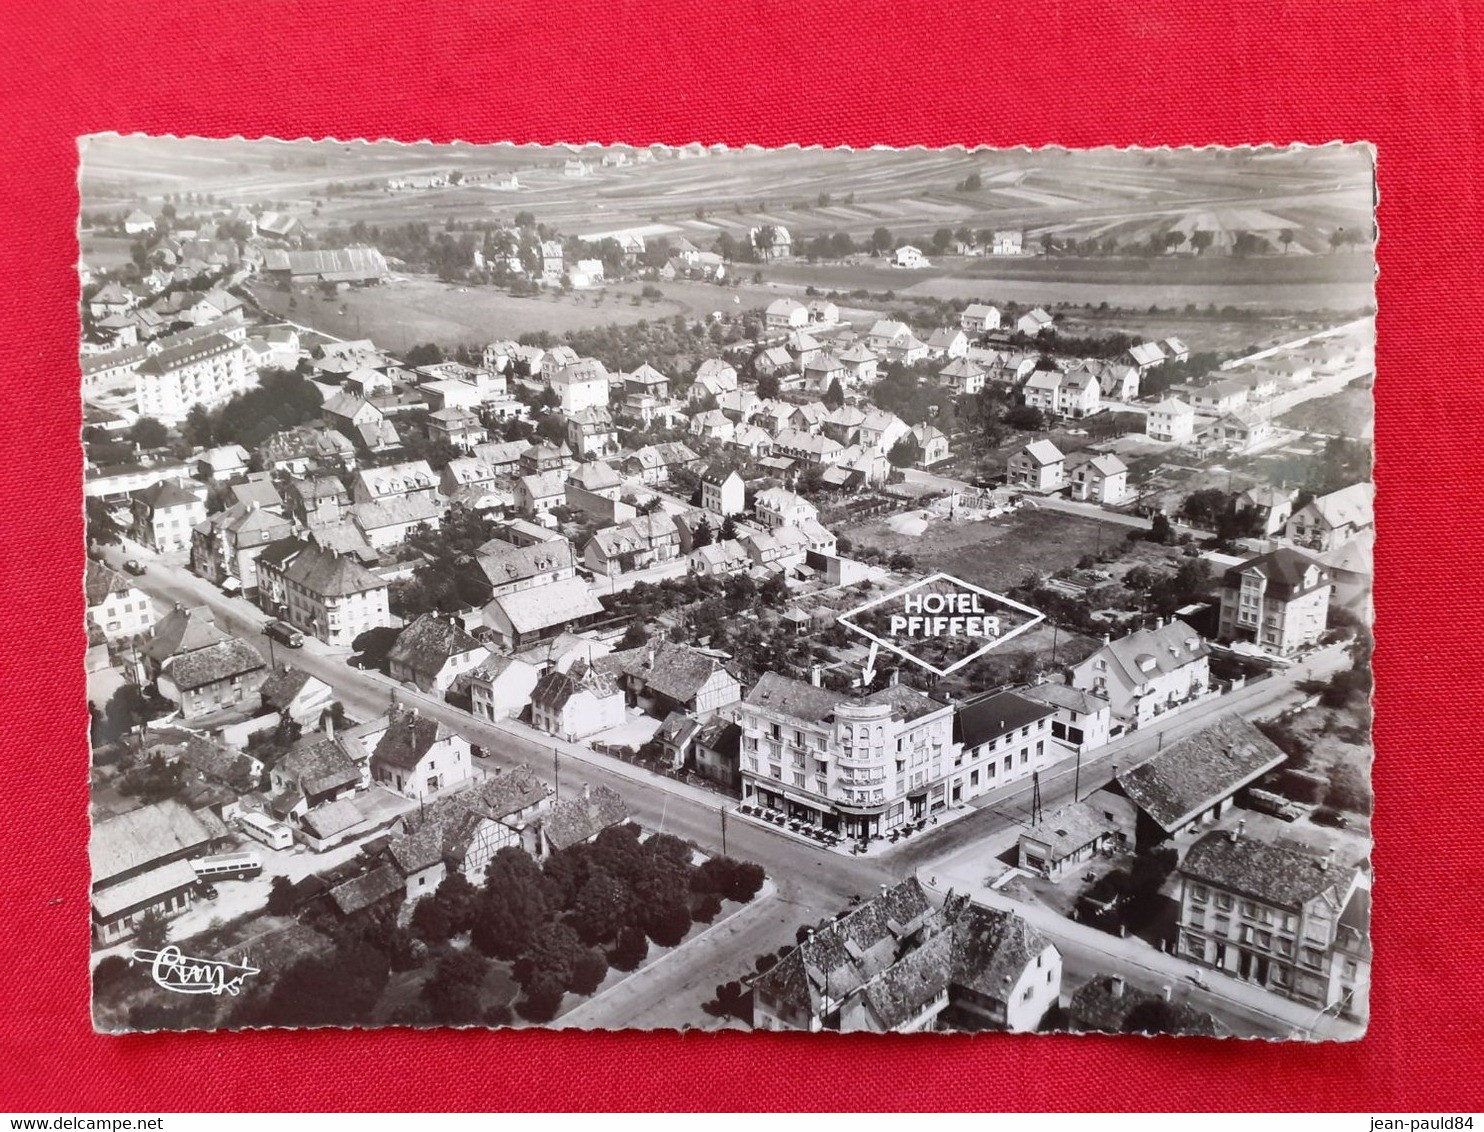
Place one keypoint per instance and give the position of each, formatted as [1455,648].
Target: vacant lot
[1351,412]
[995,553]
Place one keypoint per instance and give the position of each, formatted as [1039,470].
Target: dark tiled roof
[328,574]
[502,563]
[165,494]
[319,764]
[364,891]
[675,671]
[208,665]
[577,819]
[1198,771]
[217,762]
[426,645]
[794,698]
[407,739]
[279,690]
[991,948]
[1078,824]
[100,581]
[1273,874]
[987,718]
[1284,569]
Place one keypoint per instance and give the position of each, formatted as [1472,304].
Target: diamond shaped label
[941,623]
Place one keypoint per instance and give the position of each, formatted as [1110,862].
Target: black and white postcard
[665,587]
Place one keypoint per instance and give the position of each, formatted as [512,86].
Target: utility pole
[1036,797]
[1077,777]
[556,770]
[723,830]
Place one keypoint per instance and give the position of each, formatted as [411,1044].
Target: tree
[543,998]
[1160,530]
[601,908]
[903,453]
[768,387]
[197,429]
[834,396]
[280,896]
[630,949]
[148,433]
[515,899]
[1201,239]
[774,591]
[881,241]
[102,530]
[152,930]
[728,529]
[634,635]
[706,909]
[423,354]
[702,535]
[1025,417]
[1286,238]
[668,922]
[338,989]
[553,949]
[452,992]
[588,971]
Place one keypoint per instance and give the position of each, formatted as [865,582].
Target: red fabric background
[1407,77]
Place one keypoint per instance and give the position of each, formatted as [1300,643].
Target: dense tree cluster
[562,924]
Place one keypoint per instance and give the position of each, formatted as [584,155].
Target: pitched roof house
[898,964]
[1146,673]
[1192,780]
[433,652]
[418,756]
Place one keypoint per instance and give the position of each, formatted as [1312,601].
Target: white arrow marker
[868,672]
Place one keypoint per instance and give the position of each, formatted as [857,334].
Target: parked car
[135,567]
[284,634]
[206,891]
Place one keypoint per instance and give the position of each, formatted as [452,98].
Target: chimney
[1165,992]
[815,675]
[1116,985]
[892,677]
[329,725]
[1327,860]
[1241,827]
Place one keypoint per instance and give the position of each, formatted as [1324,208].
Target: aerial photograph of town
[689,587]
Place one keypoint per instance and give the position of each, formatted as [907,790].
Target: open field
[994,553]
[408,311]
[1128,195]
[1338,282]
[1351,412]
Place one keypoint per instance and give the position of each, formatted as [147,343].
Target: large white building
[209,371]
[327,594]
[858,765]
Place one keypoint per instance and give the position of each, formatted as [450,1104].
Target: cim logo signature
[184,974]
[941,623]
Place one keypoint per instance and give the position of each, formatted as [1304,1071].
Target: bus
[273,834]
[229,866]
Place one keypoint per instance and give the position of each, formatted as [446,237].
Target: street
[812,883]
